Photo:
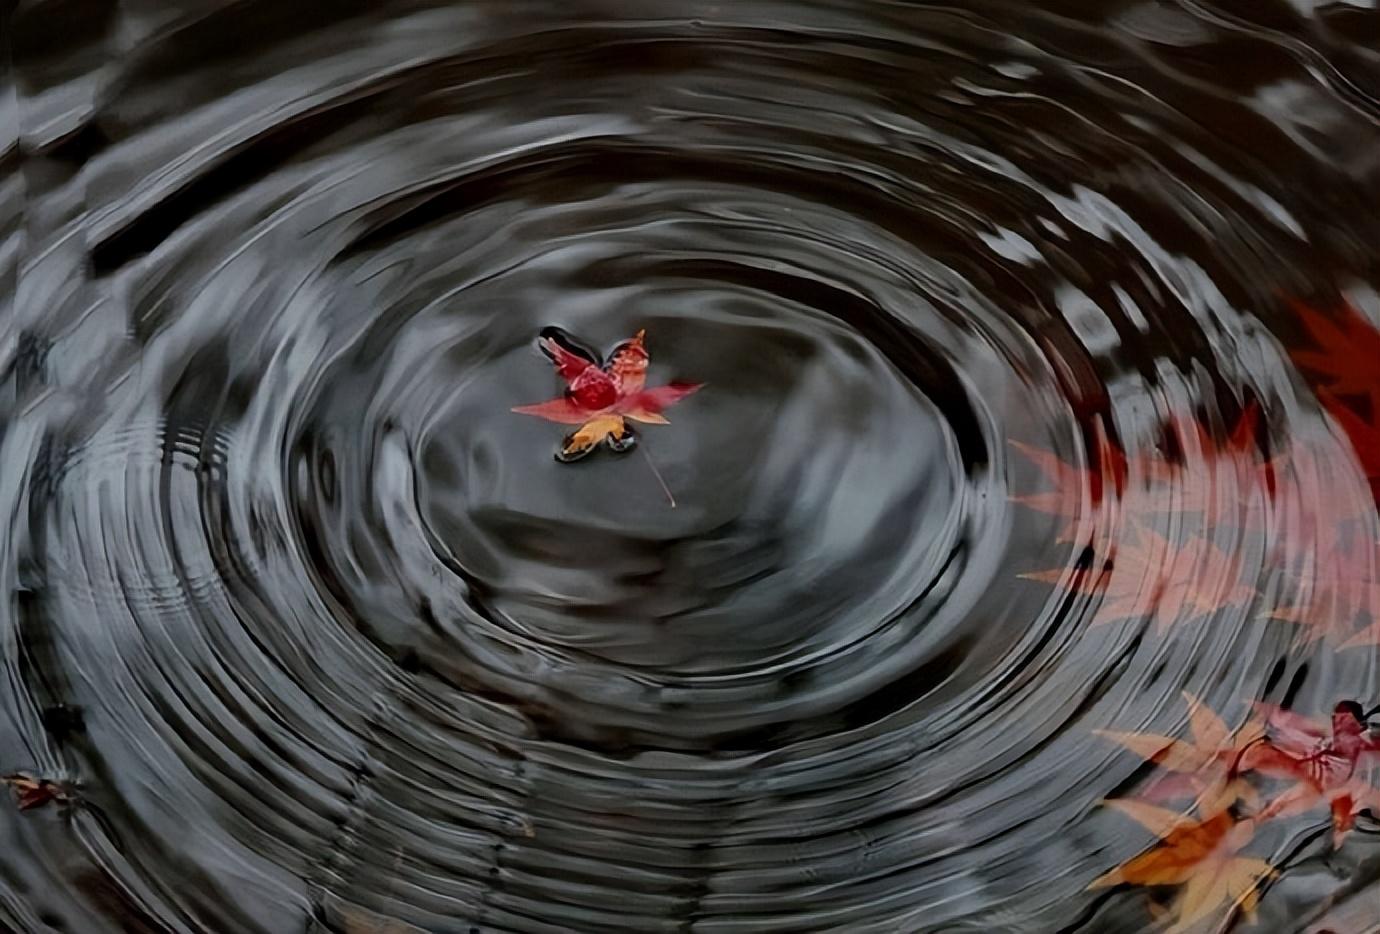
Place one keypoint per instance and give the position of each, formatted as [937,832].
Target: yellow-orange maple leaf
[1198,856]
[1201,768]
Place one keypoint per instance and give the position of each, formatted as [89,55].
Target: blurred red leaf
[31,792]
[1347,350]
[1150,576]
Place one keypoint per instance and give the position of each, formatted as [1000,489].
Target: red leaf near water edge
[1198,856]
[598,397]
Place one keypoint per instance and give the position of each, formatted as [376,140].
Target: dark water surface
[322,634]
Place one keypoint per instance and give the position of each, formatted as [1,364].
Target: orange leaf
[1199,856]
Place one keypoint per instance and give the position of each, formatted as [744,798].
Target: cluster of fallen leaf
[1276,764]
[1321,522]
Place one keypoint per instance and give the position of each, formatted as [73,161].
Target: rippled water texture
[1021,424]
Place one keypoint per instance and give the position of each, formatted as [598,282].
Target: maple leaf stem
[657,473]
[1235,769]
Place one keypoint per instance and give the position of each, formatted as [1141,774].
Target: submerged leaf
[1199,856]
[1201,768]
[1151,577]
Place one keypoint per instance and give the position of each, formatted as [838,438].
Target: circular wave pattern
[991,307]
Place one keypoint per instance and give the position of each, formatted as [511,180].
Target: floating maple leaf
[599,398]
[1200,768]
[1148,576]
[1321,760]
[31,792]
[1199,856]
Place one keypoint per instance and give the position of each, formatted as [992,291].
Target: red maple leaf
[1149,576]
[599,397]
[1216,480]
[1348,347]
[1321,760]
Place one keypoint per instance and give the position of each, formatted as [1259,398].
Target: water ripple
[1003,442]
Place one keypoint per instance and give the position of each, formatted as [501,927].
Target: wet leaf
[1200,857]
[599,398]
